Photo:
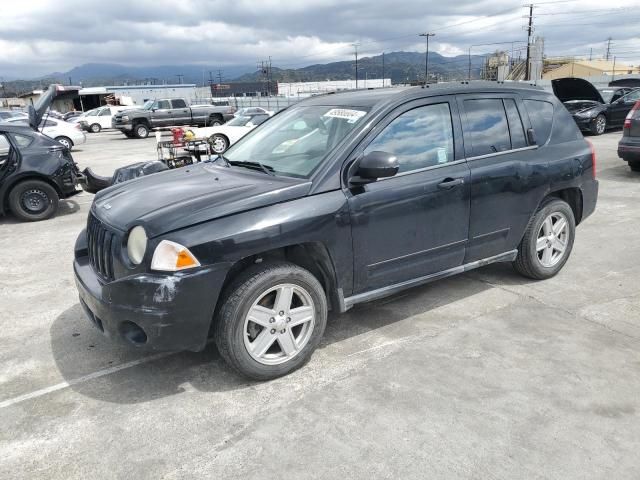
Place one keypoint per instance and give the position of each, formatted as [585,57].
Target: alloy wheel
[279,324]
[219,145]
[601,124]
[553,238]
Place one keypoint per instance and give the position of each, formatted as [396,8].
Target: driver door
[161,113]
[415,223]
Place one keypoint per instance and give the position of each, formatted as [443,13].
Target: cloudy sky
[42,36]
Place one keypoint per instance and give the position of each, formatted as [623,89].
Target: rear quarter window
[541,117]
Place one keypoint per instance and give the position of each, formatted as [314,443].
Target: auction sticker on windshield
[352,116]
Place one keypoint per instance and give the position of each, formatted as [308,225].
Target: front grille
[101,243]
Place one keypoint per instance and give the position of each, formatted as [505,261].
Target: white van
[95,120]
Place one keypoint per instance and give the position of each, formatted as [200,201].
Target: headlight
[125,118]
[137,244]
[171,256]
[586,113]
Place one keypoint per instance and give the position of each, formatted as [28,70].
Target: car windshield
[240,121]
[148,104]
[296,141]
[607,95]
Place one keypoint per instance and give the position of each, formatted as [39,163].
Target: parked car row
[595,110]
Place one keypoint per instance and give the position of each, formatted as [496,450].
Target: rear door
[104,118]
[415,223]
[507,174]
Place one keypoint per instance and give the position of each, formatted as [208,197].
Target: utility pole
[383,69]
[591,54]
[180,75]
[355,45]
[608,48]
[219,76]
[426,58]
[529,32]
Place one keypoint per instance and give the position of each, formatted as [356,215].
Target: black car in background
[339,199]
[35,171]
[629,145]
[595,110]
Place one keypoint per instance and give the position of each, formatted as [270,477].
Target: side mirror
[373,166]
[153,109]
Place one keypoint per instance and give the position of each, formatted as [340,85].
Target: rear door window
[541,117]
[487,126]
[5,148]
[179,103]
[518,139]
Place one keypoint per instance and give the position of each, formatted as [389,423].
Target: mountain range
[401,67]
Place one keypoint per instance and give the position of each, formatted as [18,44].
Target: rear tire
[215,121]
[141,130]
[33,200]
[547,244]
[219,143]
[65,142]
[634,166]
[95,128]
[289,307]
[599,125]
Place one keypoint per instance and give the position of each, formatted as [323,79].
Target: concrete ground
[484,375]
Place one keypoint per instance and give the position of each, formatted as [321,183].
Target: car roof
[13,127]
[374,97]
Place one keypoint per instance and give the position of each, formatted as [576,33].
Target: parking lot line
[100,373]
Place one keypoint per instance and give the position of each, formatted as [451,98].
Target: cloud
[41,36]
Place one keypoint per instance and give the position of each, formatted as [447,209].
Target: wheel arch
[573,196]
[312,256]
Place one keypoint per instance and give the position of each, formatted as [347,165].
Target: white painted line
[86,378]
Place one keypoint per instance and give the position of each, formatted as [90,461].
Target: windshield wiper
[255,166]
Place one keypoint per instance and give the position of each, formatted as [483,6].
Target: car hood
[577,106]
[570,88]
[129,111]
[179,198]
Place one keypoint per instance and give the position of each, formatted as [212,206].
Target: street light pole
[426,58]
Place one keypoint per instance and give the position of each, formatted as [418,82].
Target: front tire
[141,130]
[95,128]
[271,320]
[634,166]
[548,240]
[65,142]
[599,125]
[33,200]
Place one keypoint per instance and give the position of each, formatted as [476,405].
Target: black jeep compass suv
[340,199]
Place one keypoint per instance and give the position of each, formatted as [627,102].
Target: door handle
[449,183]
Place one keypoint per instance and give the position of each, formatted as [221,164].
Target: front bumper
[584,123]
[173,311]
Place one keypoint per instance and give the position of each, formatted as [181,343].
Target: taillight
[631,115]
[593,159]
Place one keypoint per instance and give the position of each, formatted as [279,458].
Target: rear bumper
[589,198]
[173,311]
[629,151]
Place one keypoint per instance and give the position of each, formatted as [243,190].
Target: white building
[305,89]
